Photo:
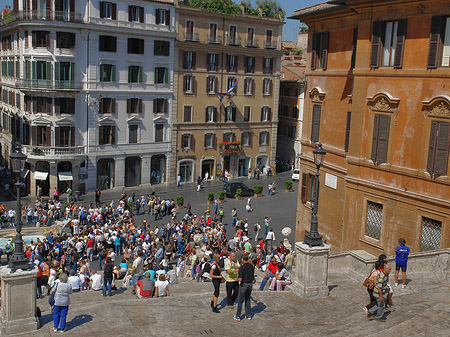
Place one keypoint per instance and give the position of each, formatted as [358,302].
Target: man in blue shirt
[401,260]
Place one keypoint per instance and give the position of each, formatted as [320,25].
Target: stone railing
[53,152]
[42,15]
[358,263]
[49,84]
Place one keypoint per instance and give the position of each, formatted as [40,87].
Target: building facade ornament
[437,107]
[317,95]
[383,102]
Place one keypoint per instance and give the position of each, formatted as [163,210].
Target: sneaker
[237,319]
[249,318]
[380,320]
[62,331]
[396,284]
[55,330]
[403,286]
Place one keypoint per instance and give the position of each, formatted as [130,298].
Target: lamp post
[313,238]
[19,260]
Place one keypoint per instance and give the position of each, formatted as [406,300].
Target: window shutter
[113,135]
[114,11]
[113,105]
[193,60]
[216,62]
[233,113]
[347,130]
[49,134]
[316,123]
[206,114]
[155,106]
[253,64]
[72,136]
[141,46]
[57,131]
[215,115]
[157,16]
[376,123]
[57,105]
[141,75]
[141,14]
[376,44]
[100,136]
[270,87]
[192,142]
[245,64]
[184,83]
[262,114]
[305,178]
[383,139]
[267,138]
[140,105]
[113,73]
[246,113]
[71,5]
[34,135]
[325,36]
[102,8]
[166,106]
[33,39]
[187,114]
[72,40]
[314,51]
[431,147]
[128,105]
[216,84]
[354,43]
[269,114]
[167,22]
[271,65]
[34,5]
[185,53]
[228,63]
[48,107]
[100,105]
[435,42]
[57,68]
[49,71]
[130,13]
[400,45]
[442,149]
[250,139]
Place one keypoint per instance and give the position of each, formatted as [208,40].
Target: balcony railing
[251,43]
[270,44]
[234,41]
[191,37]
[43,15]
[55,152]
[215,38]
[49,85]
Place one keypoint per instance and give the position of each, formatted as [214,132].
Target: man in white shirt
[96,281]
[270,238]
[75,281]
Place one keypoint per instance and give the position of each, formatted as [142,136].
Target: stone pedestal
[311,271]
[18,312]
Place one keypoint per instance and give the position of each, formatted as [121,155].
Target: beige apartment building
[239,132]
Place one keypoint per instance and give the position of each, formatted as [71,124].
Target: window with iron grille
[431,234]
[374,219]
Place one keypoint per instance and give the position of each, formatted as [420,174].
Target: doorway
[105,174]
[208,166]
[185,171]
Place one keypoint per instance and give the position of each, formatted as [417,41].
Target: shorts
[398,267]
[135,279]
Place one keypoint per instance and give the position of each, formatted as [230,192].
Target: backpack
[221,263]
[255,228]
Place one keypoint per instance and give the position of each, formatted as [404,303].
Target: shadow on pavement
[260,307]
[77,321]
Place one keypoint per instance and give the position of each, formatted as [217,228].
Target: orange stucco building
[378,100]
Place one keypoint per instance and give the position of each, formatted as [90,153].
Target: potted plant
[210,197]
[288,186]
[239,194]
[221,196]
[180,202]
[258,190]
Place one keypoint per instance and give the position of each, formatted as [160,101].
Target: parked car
[295,175]
[230,189]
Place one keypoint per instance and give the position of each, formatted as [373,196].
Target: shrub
[258,189]
[239,192]
[210,196]
[288,185]
[221,195]
[180,201]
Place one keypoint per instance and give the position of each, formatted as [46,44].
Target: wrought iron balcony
[270,44]
[234,41]
[191,37]
[215,38]
[63,16]
[253,43]
[49,85]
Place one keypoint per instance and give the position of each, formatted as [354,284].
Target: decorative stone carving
[437,107]
[441,110]
[317,95]
[383,102]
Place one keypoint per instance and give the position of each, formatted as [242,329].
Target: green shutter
[141,75]
[72,72]
[129,74]
[113,73]
[34,70]
[49,71]
[57,69]
[17,69]
[166,75]
[156,75]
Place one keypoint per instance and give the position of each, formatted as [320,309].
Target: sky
[290,29]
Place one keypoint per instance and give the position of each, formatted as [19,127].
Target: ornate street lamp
[19,260]
[313,238]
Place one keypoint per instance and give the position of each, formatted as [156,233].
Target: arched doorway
[64,176]
[105,173]
[41,175]
[132,171]
[208,166]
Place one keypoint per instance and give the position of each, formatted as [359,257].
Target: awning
[64,176]
[40,175]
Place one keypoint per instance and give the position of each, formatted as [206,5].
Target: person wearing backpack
[108,270]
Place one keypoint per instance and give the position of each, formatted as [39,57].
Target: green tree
[271,8]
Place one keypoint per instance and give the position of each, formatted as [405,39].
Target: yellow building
[237,133]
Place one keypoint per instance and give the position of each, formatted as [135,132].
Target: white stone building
[87,88]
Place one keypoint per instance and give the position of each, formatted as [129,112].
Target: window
[132,133]
[267,86]
[232,63]
[159,132]
[212,61]
[230,82]
[286,130]
[294,112]
[134,105]
[380,139]
[319,53]
[297,92]
[65,40]
[247,112]
[161,75]
[265,114]
[268,41]
[40,39]
[135,74]
[267,65]
[232,40]
[374,220]
[108,10]
[293,130]
[287,92]
[230,114]
[162,17]
[160,106]
[135,46]
[162,48]
[263,138]
[107,43]
[438,150]
[64,71]
[308,185]
[210,114]
[187,114]
[250,36]
[439,49]
[42,104]
[189,60]
[186,141]
[388,40]
[209,140]
[136,14]
[107,105]
[107,134]
[43,136]
[248,86]
[188,83]
[211,82]
[65,136]
[286,110]
[354,42]
[107,73]
[212,36]
[347,131]
[42,70]
[65,105]
[249,64]
[430,239]
[229,137]
[189,35]
[315,128]
[246,139]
